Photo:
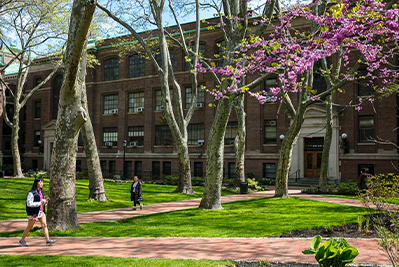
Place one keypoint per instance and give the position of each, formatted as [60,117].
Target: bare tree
[72,115]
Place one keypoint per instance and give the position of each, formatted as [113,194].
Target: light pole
[124,152]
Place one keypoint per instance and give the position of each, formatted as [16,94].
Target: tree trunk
[184,186]
[15,149]
[214,163]
[327,147]
[96,182]
[287,146]
[239,142]
[62,213]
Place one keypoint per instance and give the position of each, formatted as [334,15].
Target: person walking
[36,209]
[136,193]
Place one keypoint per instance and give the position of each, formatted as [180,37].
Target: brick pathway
[271,249]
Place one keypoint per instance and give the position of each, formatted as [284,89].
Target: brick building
[124,104]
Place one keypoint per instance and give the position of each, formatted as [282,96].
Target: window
[195,133]
[38,81]
[221,53]
[198,169]
[138,168]
[156,169]
[201,52]
[80,138]
[7,145]
[103,166]
[136,136]
[369,168]
[78,165]
[24,119]
[163,135]
[110,104]
[136,102]
[110,136]
[231,132]
[37,138]
[38,109]
[200,96]
[56,94]
[366,128]
[232,170]
[136,66]
[363,87]
[319,82]
[167,168]
[112,166]
[34,164]
[129,169]
[270,132]
[111,69]
[268,84]
[158,58]
[158,100]
[269,170]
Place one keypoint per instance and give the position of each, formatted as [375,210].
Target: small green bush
[79,175]
[250,175]
[171,180]
[348,187]
[331,188]
[229,182]
[310,190]
[268,181]
[197,180]
[252,183]
[8,169]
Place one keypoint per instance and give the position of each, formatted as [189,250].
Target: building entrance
[313,155]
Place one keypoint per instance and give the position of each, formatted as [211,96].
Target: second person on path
[136,193]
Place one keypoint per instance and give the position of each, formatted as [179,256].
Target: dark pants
[135,202]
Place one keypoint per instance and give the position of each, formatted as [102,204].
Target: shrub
[331,188]
[229,182]
[333,252]
[250,175]
[252,183]
[197,180]
[43,174]
[389,238]
[171,180]
[79,175]
[8,169]
[310,190]
[348,187]
[268,181]
[232,190]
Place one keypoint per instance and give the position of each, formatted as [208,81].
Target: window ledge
[110,114]
[366,144]
[109,147]
[135,146]
[140,112]
[37,119]
[269,144]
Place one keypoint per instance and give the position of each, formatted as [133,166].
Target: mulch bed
[350,230]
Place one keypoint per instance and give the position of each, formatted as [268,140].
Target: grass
[392,200]
[50,261]
[13,196]
[249,218]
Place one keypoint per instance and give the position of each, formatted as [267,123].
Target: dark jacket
[137,195]
[35,210]
[362,181]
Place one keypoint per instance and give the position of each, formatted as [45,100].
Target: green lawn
[13,196]
[392,200]
[249,218]
[51,261]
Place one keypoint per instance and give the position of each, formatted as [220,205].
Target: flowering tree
[366,29]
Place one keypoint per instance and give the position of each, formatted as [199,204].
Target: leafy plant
[197,181]
[360,220]
[335,252]
[331,188]
[250,175]
[343,225]
[329,227]
[252,183]
[367,226]
[171,180]
[268,181]
[389,238]
[310,190]
[229,182]
[348,187]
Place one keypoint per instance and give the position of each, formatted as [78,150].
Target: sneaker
[134,209]
[22,243]
[141,207]
[50,242]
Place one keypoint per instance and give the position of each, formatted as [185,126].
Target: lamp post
[39,142]
[124,152]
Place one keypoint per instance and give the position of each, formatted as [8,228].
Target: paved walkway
[271,249]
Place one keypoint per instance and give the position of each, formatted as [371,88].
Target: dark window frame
[136,100]
[38,109]
[163,136]
[110,103]
[365,132]
[195,132]
[270,133]
[136,134]
[266,174]
[231,133]
[111,69]
[136,66]
[110,134]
